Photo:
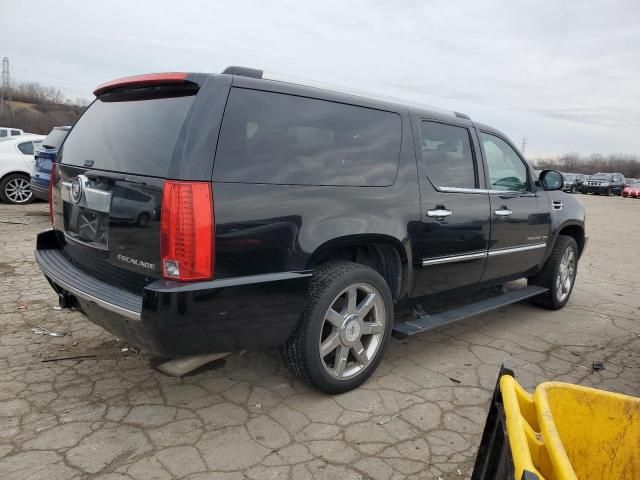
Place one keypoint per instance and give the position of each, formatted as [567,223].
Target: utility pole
[5,95]
[523,145]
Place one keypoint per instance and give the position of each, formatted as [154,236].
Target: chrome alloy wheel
[18,190]
[352,331]
[566,274]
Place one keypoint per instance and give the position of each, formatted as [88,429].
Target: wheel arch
[575,231]
[5,174]
[385,254]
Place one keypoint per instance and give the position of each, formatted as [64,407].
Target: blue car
[44,156]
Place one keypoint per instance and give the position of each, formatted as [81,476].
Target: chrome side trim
[125,312]
[523,248]
[454,259]
[485,191]
[463,190]
[479,255]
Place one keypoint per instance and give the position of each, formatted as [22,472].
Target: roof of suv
[254,78]
[249,77]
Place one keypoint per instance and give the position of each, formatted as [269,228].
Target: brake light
[187,231]
[146,80]
[53,178]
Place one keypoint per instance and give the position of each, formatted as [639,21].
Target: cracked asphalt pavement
[111,416]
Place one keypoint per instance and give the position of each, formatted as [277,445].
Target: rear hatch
[110,179]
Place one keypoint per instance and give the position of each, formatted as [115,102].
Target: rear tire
[558,274]
[143,220]
[15,189]
[344,329]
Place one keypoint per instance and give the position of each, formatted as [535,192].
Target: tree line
[627,164]
[37,108]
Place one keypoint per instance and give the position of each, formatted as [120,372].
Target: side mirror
[551,180]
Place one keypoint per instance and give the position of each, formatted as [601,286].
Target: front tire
[344,329]
[15,189]
[558,274]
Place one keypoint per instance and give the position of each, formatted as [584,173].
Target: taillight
[186,231]
[53,178]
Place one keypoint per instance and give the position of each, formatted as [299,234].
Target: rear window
[283,139]
[133,131]
[55,138]
[26,148]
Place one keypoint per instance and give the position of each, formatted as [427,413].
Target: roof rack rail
[462,115]
[243,71]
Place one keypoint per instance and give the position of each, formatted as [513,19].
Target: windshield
[55,138]
[133,132]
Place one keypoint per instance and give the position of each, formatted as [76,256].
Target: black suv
[573,182]
[296,217]
[604,184]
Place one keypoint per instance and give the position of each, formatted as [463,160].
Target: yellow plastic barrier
[569,432]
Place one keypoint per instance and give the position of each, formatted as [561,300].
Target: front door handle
[503,212]
[439,213]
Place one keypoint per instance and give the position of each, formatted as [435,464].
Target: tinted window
[3,133]
[447,155]
[15,132]
[55,138]
[127,133]
[136,196]
[282,139]
[26,148]
[506,170]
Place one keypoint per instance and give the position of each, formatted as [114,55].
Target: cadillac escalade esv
[279,214]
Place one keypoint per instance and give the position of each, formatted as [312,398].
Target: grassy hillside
[39,117]
[37,109]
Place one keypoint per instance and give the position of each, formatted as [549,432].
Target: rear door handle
[439,213]
[503,212]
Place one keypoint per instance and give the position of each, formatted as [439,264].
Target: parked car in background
[321,214]
[630,181]
[132,204]
[16,164]
[632,191]
[572,182]
[6,133]
[45,155]
[604,184]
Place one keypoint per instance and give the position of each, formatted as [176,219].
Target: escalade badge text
[136,262]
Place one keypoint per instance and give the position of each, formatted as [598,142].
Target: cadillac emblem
[77,185]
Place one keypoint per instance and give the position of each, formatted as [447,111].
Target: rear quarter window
[283,139]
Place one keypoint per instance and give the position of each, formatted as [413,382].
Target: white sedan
[16,164]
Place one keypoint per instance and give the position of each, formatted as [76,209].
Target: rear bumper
[171,319]
[39,190]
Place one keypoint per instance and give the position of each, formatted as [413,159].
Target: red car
[632,190]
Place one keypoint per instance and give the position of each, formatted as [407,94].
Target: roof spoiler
[147,80]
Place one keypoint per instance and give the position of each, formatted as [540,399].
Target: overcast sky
[564,74]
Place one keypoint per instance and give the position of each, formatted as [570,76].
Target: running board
[429,322]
